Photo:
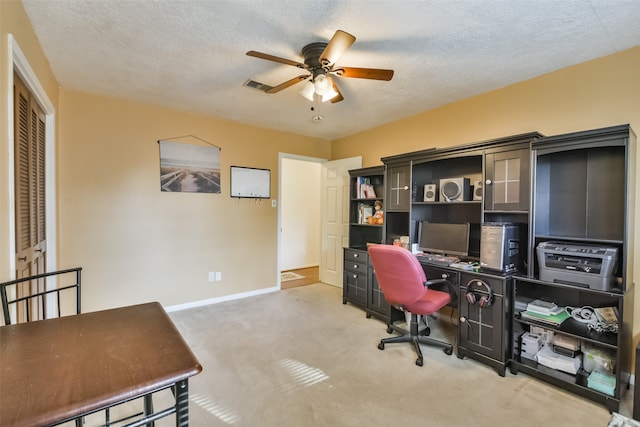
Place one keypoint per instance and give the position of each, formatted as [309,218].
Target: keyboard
[437,259]
[462,266]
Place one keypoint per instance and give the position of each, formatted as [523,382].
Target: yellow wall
[14,21]
[136,243]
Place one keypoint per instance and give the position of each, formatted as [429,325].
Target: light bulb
[323,85]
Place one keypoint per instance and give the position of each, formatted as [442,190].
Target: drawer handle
[445,276]
[356,255]
[355,276]
[355,265]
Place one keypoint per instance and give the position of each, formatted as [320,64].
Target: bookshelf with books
[366,226]
[366,207]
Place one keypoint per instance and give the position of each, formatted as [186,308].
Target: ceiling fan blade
[288,83]
[364,73]
[275,59]
[340,42]
[339,96]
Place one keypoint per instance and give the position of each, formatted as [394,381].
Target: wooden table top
[52,370]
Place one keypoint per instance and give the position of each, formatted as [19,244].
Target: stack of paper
[544,307]
[545,312]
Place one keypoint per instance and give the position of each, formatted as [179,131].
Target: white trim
[18,62]
[217,300]
[9,177]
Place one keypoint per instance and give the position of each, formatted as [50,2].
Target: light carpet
[301,358]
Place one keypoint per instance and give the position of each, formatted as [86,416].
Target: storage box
[548,358]
[598,358]
[602,382]
[546,334]
[567,342]
[529,345]
[566,345]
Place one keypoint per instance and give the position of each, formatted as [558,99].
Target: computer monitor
[441,238]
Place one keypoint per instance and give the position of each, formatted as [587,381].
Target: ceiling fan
[319,62]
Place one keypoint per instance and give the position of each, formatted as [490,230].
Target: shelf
[367,225]
[582,239]
[366,199]
[501,211]
[579,379]
[574,383]
[577,330]
[466,202]
[613,293]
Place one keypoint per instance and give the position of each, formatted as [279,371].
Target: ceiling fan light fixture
[323,85]
[329,95]
[308,91]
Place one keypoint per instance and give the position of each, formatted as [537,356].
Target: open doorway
[313,218]
[300,227]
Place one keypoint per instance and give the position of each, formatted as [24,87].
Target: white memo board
[250,182]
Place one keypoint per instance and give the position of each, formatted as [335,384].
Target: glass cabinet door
[507,181]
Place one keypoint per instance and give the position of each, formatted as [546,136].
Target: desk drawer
[433,273]
[355,266]
[356,255]
[355,260]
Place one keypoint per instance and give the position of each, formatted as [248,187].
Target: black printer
[580,265]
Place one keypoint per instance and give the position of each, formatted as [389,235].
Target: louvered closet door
[29,131]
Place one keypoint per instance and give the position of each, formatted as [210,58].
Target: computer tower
[500,247]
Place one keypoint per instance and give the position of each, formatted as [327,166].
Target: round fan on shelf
[319,63]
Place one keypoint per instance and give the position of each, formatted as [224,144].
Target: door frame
[282,156]
[18,62]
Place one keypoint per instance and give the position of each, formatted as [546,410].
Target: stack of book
[545,312]
[364,188]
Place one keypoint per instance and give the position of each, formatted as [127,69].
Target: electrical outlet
[273,203]
[218,275]
[212,276]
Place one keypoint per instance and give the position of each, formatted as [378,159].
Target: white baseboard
[217,300]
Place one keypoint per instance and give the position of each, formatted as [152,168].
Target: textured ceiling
[190,55]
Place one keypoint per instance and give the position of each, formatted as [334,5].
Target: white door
[335,217]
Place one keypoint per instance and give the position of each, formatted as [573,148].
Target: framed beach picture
[189,168]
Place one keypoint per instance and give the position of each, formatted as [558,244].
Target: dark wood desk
[57,370]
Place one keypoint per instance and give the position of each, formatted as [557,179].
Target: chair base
[416,338]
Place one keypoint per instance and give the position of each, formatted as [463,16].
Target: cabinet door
[376,301]
[398,188]
[507,181]
[355,287]
[482,329]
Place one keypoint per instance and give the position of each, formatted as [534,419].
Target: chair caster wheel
[426,332]
[389,330]
[419,362]
[448,351]
[381,346]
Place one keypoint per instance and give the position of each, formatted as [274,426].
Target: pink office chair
[405,286]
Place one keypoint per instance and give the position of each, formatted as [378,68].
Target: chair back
[42,296]
[399,273]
